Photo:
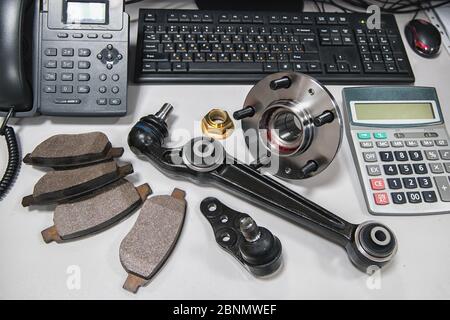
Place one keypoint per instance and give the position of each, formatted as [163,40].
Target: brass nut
[217,124]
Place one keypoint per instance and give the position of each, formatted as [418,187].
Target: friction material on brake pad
[153,237]
[69,150]
[97,212]
[58,186]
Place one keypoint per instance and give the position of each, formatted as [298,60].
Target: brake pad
[96,212]
[68,150]
[58,186]
[153,237]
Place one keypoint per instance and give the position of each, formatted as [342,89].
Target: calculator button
[398,197]
[363,135]
[412,143]
[420,168]
[427,143]
[382,144]
[441,143]
[415,155]
[405,169]
[386,156]
[432,155]
[370,156]
[394,183]
[390,169]
[397,144]
[366,144]
[373,170]
[436,168]
[381,198]
[431,135]
[445,154]
[414,197]
[380,135]
[443,186]
[447,166]
[425,182]
[429,196]
[401,155]
[377,184]
[410,183]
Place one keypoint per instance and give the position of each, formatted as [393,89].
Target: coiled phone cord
[14,156]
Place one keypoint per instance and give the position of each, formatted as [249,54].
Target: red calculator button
[381,198]
[377,184]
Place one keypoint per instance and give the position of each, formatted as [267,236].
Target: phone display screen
[81,12]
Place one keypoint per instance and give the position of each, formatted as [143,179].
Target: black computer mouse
[423,37]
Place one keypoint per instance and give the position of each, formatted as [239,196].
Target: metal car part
[295,119]
[256,248]
[217,124]
[147,136]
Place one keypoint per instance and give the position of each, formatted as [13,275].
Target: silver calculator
[400,147]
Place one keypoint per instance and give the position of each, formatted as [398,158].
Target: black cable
[14,157]
[132,1]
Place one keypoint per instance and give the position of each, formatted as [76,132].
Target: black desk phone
[63,57]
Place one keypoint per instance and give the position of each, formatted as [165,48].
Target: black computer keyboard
[191,46]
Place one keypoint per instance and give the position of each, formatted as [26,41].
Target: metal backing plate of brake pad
[96,212]
[153,237]
[69,150]
[63,185]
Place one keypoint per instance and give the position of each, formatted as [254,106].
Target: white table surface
[198,268]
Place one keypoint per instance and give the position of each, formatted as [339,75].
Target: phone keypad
[402,171]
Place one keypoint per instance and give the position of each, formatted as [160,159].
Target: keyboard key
[373,170]
[443,186]
[226,67]
[390,169]
[425,182]
[445,154]
[420,168]
[414,197]
[437,168]
[405,169]
[415,155]
[394,183]
[398,197]
[381,199]
[370,156]
[377,184]
[410,183]
[429,196]
[386,156]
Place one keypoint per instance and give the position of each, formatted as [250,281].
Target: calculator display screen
[394,111]
[79,12]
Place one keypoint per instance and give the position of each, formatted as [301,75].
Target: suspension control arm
[203,160]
